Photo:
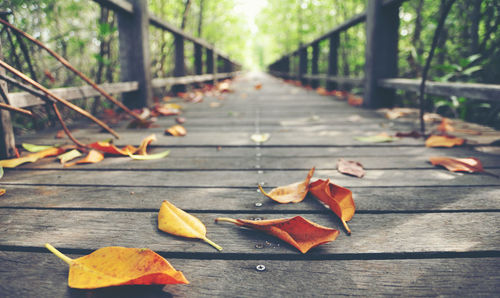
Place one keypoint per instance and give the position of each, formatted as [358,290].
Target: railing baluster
[179,69]
[198,59]
[333,60]
[314,64]
[303,65]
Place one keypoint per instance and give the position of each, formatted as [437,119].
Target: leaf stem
[346,227]
[59,254]
[219,248]
[227,219]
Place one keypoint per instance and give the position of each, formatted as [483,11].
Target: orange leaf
[443,141]
[177,222]
[32,157]
[469,164]
[258,86]
[338,198]
[176,131]
[145,143]
[293,193]
[354,100]
[117,266]
[94,156]
[107,147]
[445,126]
[60,134]
[297,231]
[350,167]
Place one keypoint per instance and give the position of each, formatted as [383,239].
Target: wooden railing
[136,84]
[381,61]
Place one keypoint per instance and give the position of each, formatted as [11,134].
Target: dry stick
[5,106]
[48,100]
[74,70]
[442,18]
[57,98]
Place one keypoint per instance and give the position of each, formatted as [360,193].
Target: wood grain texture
[47,277]
[371,233]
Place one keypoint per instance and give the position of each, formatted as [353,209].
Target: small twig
[5,106]
[65,128]
[57,98]
[74,70]
[442,18]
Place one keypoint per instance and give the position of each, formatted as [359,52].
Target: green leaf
[150,156]
[35,148]
[1,172]
[472,69]
[70,155]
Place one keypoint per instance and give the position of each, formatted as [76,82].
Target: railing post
[333,61]
[7,142]
[179,69]
[382,29]
[211,67]
[314,64]
[198,59]
[303,65]
[134,53]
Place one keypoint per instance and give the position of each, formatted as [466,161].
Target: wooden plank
[240,179]
[24,99]
[389,233]
[21,276]
[488,92]
[394,199]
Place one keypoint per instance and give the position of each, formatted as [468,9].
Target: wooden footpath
[418,230]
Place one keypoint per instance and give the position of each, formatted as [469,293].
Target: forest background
[256,33]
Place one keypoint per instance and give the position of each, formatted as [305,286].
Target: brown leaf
[412,134]
[338,198]
[258,86]
[293,193]
[469,164]
[176,131]
[297,231]
[350,167]
[354,100]
[117,266]
[180,120]
[94,156]
[443,141]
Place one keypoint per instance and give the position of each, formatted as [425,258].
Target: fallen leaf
[176,131]
[215,104]
[322,91]
[35,148]
[1,172]
[151,156]
[180,120]
[445,126]
[258,86]
[412,134]
[350,167]
[2,191]
[354,100]
[260,137]
[177,222]
[293,193]
[163,111]
[32,157]
[338,198]
[380,138]
[173,106]
[70,155]
[141,123]
[109,148]
[144,144]
[469,164]
[93,156]
[443,141]
[297,231]
[60,134]
[117,266]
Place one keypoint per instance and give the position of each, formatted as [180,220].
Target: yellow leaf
[145,143]
[293,193]
[32,157]
[177,222]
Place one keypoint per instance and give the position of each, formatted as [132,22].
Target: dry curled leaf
[260,137]
[338,198]
[68,156]
[469,164]
[297,231]
[117,266]
[32,157]
[293,193]
[35,148]
[145,143]
[109,148]
[258,86]
[93,156]
[443,141]
[350,167]
[2,191]
[177,222]
[176,131]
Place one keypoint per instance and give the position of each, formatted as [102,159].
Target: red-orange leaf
[292,193]
[297,231]
[350,167]
[94,156]
[338,198]
[443,141]
[117,266]
[469,164]
[109,148]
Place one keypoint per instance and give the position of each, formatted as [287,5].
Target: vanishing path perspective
[418,229]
